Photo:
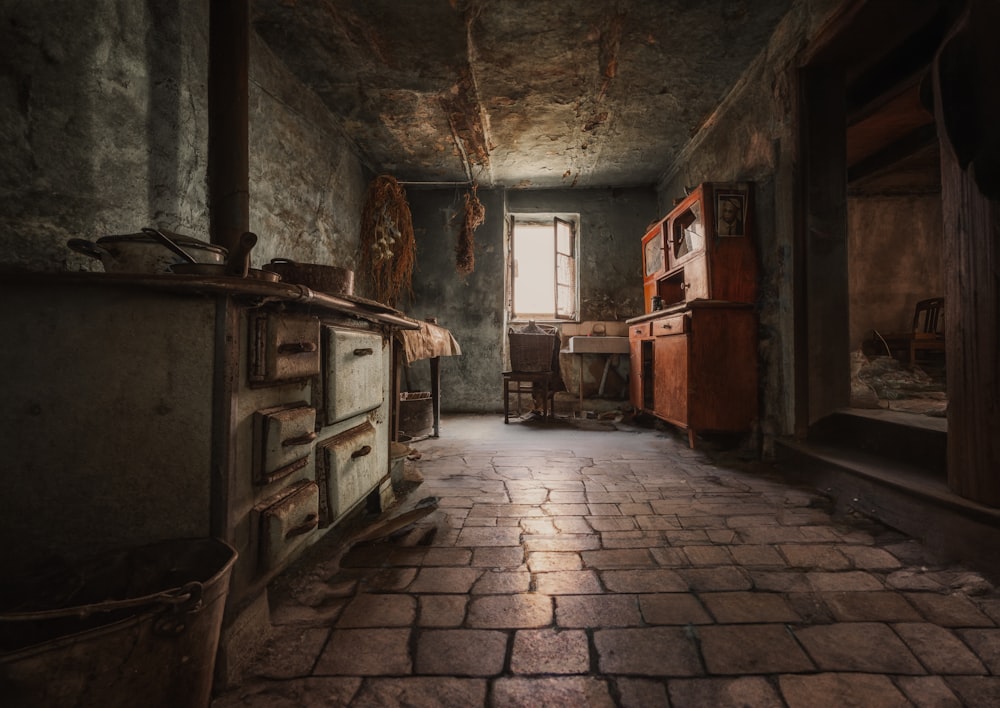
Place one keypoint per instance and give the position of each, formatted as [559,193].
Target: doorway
[894,253]
[872,224]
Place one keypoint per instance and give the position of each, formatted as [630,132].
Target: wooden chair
[534,359]
[926,334]
[529,382]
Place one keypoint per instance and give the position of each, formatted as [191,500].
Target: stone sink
[598,345]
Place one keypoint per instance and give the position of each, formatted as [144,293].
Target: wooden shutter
[565,275]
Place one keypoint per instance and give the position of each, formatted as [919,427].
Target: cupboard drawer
[285,523]
[677,324]
[283,347]
[347,470]
[353,380]
[282,440]
[639,331]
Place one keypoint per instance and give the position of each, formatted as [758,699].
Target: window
[542,273]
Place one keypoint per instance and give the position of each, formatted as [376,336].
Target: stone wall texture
[307,186]
[104,113]
[612,223]
[103,109]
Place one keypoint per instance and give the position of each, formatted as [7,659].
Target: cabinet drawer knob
[667,326]
[300,440]
[297,347]
[362,451]
[364,351]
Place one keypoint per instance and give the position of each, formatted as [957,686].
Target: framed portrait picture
[730,213]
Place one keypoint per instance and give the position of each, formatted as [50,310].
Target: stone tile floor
[583,565]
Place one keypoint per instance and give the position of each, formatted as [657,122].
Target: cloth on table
[429,341]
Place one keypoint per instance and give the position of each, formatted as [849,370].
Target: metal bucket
[135,627]
[416,413]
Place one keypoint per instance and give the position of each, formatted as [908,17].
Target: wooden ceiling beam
[901,148]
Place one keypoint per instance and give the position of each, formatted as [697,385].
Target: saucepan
[236,265]
[329,279]
[147,252]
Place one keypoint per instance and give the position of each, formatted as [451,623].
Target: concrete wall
[104,125]
[612,223]
[894,246]
[307,187]
[753,136]
[104,117]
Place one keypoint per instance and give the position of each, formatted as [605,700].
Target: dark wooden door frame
[851,46]
[822,368]
[972,241]
[967,108]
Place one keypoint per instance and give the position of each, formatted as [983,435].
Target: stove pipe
[228,129]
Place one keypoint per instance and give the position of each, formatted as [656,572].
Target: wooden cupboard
[703,249]
[694,360]
[697,369]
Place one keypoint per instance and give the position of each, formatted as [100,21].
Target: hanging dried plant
[465,249]
[388,250]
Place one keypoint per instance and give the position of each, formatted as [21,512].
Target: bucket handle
[186,598]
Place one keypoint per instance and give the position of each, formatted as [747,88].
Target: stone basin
[598,345]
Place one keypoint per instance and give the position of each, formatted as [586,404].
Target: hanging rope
[465,249]
[388,250]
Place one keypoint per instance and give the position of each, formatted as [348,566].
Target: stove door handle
[364,351]
[361,451]
[297,348]
[300,440]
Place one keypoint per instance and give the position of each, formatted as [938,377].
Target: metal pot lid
[179,239]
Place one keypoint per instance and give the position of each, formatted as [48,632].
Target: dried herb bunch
[388,250]
[474,216]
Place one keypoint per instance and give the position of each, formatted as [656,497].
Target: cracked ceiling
[519,93]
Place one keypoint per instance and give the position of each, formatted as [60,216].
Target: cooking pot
[146,252]
[237,263]
[332,280]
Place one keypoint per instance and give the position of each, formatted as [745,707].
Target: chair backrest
[927,316]
[534,348]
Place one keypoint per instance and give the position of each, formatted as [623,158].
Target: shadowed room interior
[458,352]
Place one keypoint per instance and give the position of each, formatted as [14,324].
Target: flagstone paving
[569,565]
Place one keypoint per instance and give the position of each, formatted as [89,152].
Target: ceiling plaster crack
[594,118]
[471,13]
[466,165]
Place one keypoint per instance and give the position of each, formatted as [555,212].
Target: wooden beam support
[886,158]
[967,107]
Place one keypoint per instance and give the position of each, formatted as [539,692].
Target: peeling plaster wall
[471,306]
[895,259]
[103,114]
[307,187]
[612,223]
[753,136]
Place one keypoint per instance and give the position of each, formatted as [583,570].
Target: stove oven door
[347,470]
[353,380]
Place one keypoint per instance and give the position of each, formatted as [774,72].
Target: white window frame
[567,306]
